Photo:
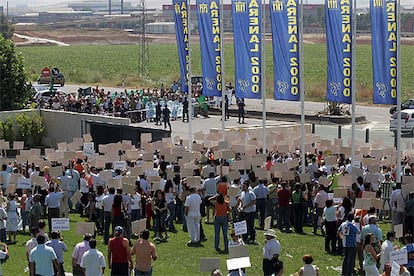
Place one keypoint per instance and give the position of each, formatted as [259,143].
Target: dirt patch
[113,37]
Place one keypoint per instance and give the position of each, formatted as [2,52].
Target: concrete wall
[64,126]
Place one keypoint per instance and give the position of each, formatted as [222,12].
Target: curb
[318,119]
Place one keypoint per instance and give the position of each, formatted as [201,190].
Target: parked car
[408,104]
[45,95]
[407,122]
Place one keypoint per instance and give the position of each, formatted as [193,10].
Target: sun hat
[118,230]
[270,233]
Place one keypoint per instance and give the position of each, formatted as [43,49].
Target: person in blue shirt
[409,246]
[348,233]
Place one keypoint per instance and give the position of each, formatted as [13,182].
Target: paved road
[377,117]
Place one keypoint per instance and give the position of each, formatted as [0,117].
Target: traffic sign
[45,72]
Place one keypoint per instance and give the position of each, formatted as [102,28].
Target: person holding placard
[59,247]
[330,215]
[397,202]
[221,208]
[159,208]
[370,256]
[13,217]
[348,234]
[107,202]
[387,247]
[319,204]
[284,209]
[52,202]
[409,246]
[247,206]
[261,192]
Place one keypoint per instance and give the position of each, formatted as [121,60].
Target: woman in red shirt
[221,207]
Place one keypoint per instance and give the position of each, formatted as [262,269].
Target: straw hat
[270,233]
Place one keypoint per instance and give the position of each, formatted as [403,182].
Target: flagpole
[353,80]
[302,89]
[223,82]
[399,169]
[189,84]
[263,72]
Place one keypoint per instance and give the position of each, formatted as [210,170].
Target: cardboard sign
[18,145]
[24,183]
[239,251]
[138,226]
[56,171]
[136,171]
[60,224]
[267,222]
[194,181]
[87,137]
[304,178]
[377,203]
[236,263]
[398,229]
[395,269]
[363,203]
[240,228]
[105,175]
[119,165]
[89,148]
[324,181]
[11,189]
[340,193]
[85,228]
[76,198]
[209,264]
[39,181]
[115,183]
[399,256]
[366,194]
[345,180]
[289,175]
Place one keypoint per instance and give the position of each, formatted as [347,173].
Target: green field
[110,64]
[175,258]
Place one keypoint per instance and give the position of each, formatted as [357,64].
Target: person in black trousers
[185,109]
[240,104]
[166,113]
[158,114]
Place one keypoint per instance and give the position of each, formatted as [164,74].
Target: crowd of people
[348,231]
[139,105]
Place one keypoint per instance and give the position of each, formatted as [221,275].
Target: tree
[6,30]
[15,91]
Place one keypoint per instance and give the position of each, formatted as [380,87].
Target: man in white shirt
[107,202]
[93,261]
[386,248]
[397,203]
[271,252]
[210,189]
[192,216]
[52,202]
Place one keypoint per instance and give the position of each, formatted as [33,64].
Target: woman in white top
[308,269]
[330,215]
[12,217]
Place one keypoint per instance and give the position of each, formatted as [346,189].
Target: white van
[407,122]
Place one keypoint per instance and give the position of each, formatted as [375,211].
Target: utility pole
[143,59]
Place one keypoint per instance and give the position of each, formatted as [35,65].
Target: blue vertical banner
[247,29]
[384,50]
[181,12]
[284,18]
[210,46]
[339,42]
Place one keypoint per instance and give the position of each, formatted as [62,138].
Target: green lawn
[110,64]
[175,258]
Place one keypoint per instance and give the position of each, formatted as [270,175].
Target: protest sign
[267,222]
[138,226]
[239,251]
[240,228]
[236,263]
[85,228]
[60,224]
[399,256]
[24,183]
[209,264]
[398,229]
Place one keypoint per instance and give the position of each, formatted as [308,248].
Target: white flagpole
[190,85]
[353,80]
[302,89]
[263,77]
[223,82]
[399,169]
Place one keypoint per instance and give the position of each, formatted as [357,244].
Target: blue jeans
[284,218]
[142,273]
[220,222]
[171,216]
[25,219]
[135,214]
[249,217]
[107,224]
[348,264]
[274,210]
[261,209]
